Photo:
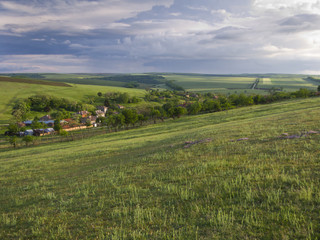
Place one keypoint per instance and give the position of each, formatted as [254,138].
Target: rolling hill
[247,173]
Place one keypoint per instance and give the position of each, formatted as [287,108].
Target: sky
[131,36]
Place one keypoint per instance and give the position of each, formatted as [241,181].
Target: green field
[11,92]
[225,84]
[210,83]
[288,84]
[88,79]
[144,183]
[240,84]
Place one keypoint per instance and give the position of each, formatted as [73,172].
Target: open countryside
[200,175]
[159,120]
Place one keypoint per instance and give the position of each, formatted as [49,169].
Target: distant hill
[33,81]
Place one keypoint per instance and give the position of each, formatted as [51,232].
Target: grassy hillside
[146,184]
[32,81]
[103,79]
[14,91]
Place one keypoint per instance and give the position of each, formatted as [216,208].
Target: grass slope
[14,91]
[143,183]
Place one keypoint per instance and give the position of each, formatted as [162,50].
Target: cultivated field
[205,83]
[287,84]
[146,184]
[241,84]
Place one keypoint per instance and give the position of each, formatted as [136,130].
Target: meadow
[147,183]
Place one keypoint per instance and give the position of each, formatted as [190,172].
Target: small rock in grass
[242,139]
[293,137]
[312,132]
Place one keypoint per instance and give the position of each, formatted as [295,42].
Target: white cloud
[38,39]
[71,15]
[42,63]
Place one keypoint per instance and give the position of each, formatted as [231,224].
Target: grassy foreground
[144,183]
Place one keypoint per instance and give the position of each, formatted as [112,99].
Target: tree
[116,121]
[20,110]
[318,88]
[119,120]
[13,128]
[13,141]
[110,121]
[99,94]
[101,120]
[63,133]
[194,108]
[155,114]
[88,123]
[62,114]
[28,139]
[57,126]
[302,93]
[163,113]
[123,98]
[142,118]
[131,117]
[36,124]
[179,111]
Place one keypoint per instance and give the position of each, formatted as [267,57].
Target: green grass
[143,183]
[15,91]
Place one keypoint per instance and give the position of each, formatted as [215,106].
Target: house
[38,132]
[91,119]
[20,134]
[83,113]
[28,133]
[28,122]
[102,108]
[49,130]
[120,106]
[49,123]
[45,118]
[21,124]
[100,113]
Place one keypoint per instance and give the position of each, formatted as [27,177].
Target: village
[79,120]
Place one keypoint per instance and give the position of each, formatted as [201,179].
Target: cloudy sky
[203,36]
